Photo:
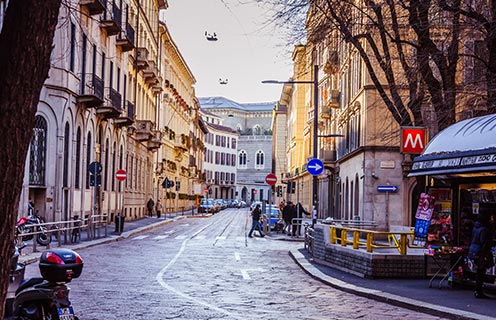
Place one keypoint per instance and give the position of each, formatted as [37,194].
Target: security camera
[374,176]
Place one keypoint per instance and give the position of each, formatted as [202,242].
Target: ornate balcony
[144,130]
[91,94]
[125,40]
[155,140]
[112,20]
[94,6]
[127,116]
[112,107]
[151,73]
[141,59]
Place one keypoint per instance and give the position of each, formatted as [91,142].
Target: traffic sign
[95,167]
[271,179]
[315,167]
[387,188]
[121,175]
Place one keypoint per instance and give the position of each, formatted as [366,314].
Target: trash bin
[119,223]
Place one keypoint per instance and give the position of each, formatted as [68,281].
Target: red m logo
[413,139]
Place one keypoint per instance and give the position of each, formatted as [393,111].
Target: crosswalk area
[200,237]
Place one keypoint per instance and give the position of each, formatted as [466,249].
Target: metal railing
[401,240]
[63,230]
[309,239]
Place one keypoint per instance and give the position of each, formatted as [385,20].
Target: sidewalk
[415,294]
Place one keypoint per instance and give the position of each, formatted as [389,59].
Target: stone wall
[365,264]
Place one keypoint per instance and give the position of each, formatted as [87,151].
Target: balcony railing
[112,20]
[155,140]
[94,6]
[112,107]
[126,39]
[127,117]
[91,94]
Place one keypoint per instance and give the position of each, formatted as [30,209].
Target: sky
[247,50]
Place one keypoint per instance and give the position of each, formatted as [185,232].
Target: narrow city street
[209,269]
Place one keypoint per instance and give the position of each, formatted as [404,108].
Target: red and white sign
[121,175]
[271,179]
[206,190]
[413,139]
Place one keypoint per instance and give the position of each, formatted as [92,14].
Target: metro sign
[413,139]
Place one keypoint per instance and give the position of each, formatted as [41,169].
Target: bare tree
[25,46]
[412,50]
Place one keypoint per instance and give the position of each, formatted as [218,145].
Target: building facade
[252,121]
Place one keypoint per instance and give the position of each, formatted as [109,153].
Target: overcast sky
[247,51]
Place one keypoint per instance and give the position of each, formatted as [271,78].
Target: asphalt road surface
[209,269]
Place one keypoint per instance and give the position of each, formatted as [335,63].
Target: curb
[382,296]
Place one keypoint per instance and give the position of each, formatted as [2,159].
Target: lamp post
[315,82]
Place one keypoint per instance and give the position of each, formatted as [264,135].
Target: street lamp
[315,83]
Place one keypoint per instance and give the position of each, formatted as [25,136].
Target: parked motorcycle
[27,226]
[45,298]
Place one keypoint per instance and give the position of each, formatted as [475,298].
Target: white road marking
[202,237]
[169,232]
[245,274]
[160,280]
[140,237]
[237,256]
[221,238]
[181,237]
[161,237]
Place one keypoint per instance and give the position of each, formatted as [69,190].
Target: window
[37,152]
[259,163]
[72,53]
[67,138]
[77,172]
[242,159]
[88,159]
[233,143]
[106,167]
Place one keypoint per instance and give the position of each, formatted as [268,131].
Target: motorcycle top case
[60,265]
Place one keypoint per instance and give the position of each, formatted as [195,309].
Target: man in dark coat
[255,215]
[300,211]
[480,250]
[150,205]
[287,216]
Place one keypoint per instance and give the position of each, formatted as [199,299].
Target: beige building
[180,158]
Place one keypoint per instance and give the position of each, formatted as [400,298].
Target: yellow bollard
[403,243]
[333,235]
[370,239]
[344,237]
[356,239]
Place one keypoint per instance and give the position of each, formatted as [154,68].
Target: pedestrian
[300,211]
[282,204]
[255,215]
[30,207]
[286,216]
[150,205]
[480,250]
[158,208]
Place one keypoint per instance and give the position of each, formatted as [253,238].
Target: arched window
[259,162]
[37,152]
[257,130]
[88,159]
[106,167]
[77,172]
[67,138]
[242,159]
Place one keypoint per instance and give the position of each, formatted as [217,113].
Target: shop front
[458,169]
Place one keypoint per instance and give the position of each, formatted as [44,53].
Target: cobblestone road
[209,269]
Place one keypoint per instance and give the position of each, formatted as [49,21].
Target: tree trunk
[25,47]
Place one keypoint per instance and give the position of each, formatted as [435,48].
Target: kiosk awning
[466,148]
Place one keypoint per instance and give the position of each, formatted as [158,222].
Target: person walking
[287,216]
[255,215]
[158,208]
[300,211]
[150,205]
[480,251]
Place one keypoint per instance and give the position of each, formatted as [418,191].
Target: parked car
[208,206]
[274,214]
[254,204]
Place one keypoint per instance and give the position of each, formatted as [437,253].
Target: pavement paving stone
[454,303]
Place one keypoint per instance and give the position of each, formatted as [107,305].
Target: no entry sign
[121,175]
[271,179]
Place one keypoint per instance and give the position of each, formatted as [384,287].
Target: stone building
[252,121]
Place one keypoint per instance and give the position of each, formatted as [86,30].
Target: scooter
[30,224]
[45,298]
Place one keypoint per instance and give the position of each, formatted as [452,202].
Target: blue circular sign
[315,167]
